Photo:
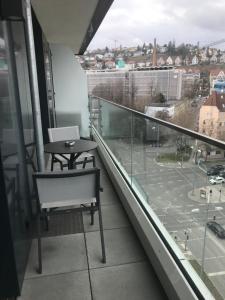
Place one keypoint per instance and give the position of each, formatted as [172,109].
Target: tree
[205,150]
[159,98]
[144,49]
[103,65]
[185,115]
[86,65]
[133,92]
[182,50]
[163,115]
[106,49]
[109,91]
[171,49]
[193,90]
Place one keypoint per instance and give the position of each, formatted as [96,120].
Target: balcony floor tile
[135,281]
[60,254]
[109,196]
[72,267]
[122,247]
[113,217]
[67,286]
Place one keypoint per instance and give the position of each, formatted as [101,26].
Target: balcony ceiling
[70,22]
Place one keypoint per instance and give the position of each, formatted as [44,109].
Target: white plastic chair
[79,189]
[68,133]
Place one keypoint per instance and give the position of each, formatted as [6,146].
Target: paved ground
[173,191]
[72,267]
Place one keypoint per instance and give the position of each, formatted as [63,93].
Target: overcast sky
[133,22]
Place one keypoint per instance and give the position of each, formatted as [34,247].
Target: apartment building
[212,116]
[137,84]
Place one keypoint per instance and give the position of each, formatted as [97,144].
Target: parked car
[216,228]
[215,170]
[222,173]
[216,180]
[219,167]
[212,171]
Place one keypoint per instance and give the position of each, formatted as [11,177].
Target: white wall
[152,110]
[71,94]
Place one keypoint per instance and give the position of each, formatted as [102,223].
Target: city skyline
[130,23]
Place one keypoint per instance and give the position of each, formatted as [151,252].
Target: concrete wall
[71,94]
[152,110]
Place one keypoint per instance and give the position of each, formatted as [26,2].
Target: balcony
[167,168]
[72,259]
[155,200]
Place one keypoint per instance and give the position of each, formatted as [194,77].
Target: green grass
[172,157]
[206,280]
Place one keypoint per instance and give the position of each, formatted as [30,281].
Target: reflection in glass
[17,139]
[116,131]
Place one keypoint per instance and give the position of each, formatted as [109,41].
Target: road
[166,188]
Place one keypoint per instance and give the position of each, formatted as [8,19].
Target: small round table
[75,151]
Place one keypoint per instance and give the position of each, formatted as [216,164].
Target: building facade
[137,85]
[212,116]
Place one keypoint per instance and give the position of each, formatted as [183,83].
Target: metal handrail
[181,129]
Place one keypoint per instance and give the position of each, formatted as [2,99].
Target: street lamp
[195,175]
[197,210]
[220,196]
[156,133]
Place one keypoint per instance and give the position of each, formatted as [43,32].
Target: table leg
[71,161]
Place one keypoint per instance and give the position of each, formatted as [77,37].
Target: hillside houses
[141,57]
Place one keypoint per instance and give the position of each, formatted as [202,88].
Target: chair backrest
[63,133]
[67,186]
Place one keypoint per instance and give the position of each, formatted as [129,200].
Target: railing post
[34,87]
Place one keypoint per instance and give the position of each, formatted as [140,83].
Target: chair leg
[94,163]
[84,163]
[101,233]
[39,270]
[92,214]
[52,162]
[46,221]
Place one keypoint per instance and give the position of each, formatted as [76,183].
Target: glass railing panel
[115,128]
[182,179]
[95,112]
[179,175]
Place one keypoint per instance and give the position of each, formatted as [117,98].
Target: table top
[79,147]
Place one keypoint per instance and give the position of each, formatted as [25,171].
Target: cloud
[133,22]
